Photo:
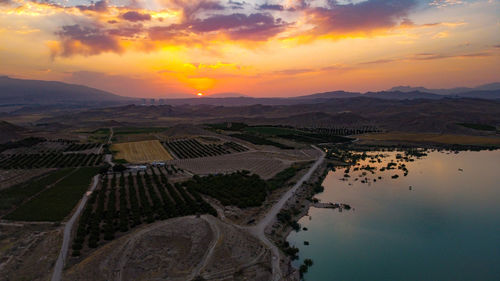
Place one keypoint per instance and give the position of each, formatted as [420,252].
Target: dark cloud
[127,31]
[99,6]
[235,5]
[191,8]
[135,16]
[271,7]
[76,39]
[256,27]
[361,17]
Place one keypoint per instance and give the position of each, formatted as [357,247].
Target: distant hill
[398,95]
[10,131]
[491,88]
[227,95]
[25,92]
[330,95]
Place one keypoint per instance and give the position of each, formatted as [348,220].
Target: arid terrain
[190,191]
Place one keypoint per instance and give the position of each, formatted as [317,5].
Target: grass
[141,151]
[15,195]
[481,127]
[432,138]
[57,202]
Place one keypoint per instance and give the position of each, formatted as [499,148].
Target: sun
[199,94]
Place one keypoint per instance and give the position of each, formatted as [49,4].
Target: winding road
[58,268]
[259,229]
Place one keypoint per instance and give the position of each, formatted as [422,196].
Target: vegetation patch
[480,127]
[239,189]
[260,141]
[138,130]
[55,203]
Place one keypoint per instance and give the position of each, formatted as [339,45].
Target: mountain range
[37,93]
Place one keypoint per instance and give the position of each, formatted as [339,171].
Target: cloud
[135,16]
[430,56]
[363,17]
[272,7]
[256,27]
[86,40]
[445,3]
[99,6]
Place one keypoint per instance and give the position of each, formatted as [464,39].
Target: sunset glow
[170,48]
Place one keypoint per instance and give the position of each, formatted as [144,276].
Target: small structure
[136,168]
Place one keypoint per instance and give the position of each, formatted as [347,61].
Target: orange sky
[171,48]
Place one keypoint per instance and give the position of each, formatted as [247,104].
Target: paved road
[58,268]
[259,229]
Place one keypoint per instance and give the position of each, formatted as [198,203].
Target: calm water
[447,227]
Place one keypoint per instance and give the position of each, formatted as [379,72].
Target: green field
[55,203]
[14,196]
[271,131]
[138,130]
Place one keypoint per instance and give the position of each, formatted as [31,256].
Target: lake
[446,226]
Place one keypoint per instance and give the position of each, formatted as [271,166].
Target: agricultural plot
[12,177]
[259,140]
[141,151]
[263,165]
[192,148]
[124,201]
[14,196]
[43,146]
[56,202]
[49,160]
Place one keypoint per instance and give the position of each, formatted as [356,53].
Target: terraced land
[192,148]
[141,151]
[124,201]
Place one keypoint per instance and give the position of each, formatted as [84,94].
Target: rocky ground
[28,252]
[177,249]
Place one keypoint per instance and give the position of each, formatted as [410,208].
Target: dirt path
[208,255]
[259,229]
[56,275]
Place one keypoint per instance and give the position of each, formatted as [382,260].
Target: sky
[261,48]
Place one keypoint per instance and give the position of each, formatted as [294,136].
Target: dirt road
[259,229]
[56,275]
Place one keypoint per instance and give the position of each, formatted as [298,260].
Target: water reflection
[446,227]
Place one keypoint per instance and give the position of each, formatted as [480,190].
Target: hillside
[9,131]
[25,92]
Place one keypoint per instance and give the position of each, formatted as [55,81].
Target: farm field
[141,151]
[57,202]
[192,148]
[10,178]
[124,201]
[49,160]
[14,196]
[271,131]
[265,167]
